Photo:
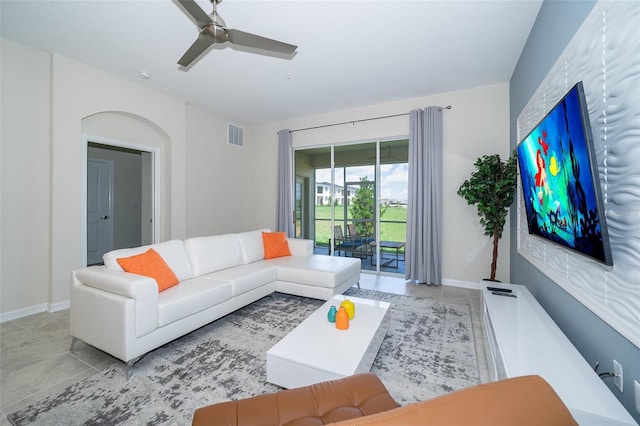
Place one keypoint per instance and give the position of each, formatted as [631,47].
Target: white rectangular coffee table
[316,351]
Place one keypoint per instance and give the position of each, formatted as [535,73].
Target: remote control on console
[505,290]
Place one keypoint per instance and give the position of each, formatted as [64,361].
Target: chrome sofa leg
[358,284]
[273,296]
[129,366]
[73,343]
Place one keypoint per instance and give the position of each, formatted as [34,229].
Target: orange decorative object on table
[342,319]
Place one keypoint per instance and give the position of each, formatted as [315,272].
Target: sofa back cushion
[173,252]
[210,254]
[251,245]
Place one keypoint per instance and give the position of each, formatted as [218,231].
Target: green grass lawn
[388,231]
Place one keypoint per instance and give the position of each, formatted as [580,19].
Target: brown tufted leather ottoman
[354,396]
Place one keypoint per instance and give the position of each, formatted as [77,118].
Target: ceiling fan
[214,30]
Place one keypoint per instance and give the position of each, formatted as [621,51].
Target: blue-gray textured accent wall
[555,26]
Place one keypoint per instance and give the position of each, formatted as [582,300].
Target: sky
[394,179]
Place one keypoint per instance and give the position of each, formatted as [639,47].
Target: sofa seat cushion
[246,277]
[317,270]
[190,297]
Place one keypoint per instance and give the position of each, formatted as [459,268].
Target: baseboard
[463,284]
[35,309]
[59,306]
[23,312]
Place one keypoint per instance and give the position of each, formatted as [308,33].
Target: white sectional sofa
[125,314]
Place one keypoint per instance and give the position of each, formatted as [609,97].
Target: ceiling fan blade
[199,15]
[200,45]
[251,40]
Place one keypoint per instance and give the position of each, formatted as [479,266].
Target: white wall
[24,177]
[42,234]
[43,168]
[229,188]
[78,92]
[476,125]
[219,178]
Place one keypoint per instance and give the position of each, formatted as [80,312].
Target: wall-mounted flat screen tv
[560,183]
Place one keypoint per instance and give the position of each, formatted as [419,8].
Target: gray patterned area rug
[428,351]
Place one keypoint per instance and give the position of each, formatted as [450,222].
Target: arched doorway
[122,177]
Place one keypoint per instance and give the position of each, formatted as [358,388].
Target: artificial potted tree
[490,188]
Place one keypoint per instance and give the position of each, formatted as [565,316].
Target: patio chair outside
[361,243]
[341,244]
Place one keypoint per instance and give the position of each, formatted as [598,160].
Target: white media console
[524,340]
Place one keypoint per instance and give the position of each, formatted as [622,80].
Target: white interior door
[99,209]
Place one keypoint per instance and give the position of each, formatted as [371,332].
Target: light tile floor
[35,360]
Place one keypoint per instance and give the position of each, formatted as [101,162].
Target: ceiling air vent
[235,135]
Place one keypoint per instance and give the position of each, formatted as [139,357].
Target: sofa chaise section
[318,277]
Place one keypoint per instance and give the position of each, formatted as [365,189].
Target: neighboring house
[323,194]
[393,202]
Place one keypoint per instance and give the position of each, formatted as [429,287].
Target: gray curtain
[424,212]
[284,216]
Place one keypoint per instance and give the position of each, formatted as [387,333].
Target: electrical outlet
[636,386]
[617,370]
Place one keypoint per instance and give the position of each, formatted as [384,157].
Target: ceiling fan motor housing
[214,33]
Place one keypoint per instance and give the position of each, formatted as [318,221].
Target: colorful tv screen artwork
[560,183]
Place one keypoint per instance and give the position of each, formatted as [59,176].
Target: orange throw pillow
[275,245]
[150,264]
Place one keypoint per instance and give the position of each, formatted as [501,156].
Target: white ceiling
[350,53]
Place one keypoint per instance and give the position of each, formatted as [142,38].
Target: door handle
[104,217]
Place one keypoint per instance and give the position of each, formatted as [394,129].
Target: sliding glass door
[355,176]
[359,198]
[394,193]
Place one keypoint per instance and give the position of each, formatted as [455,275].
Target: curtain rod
[358,121]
